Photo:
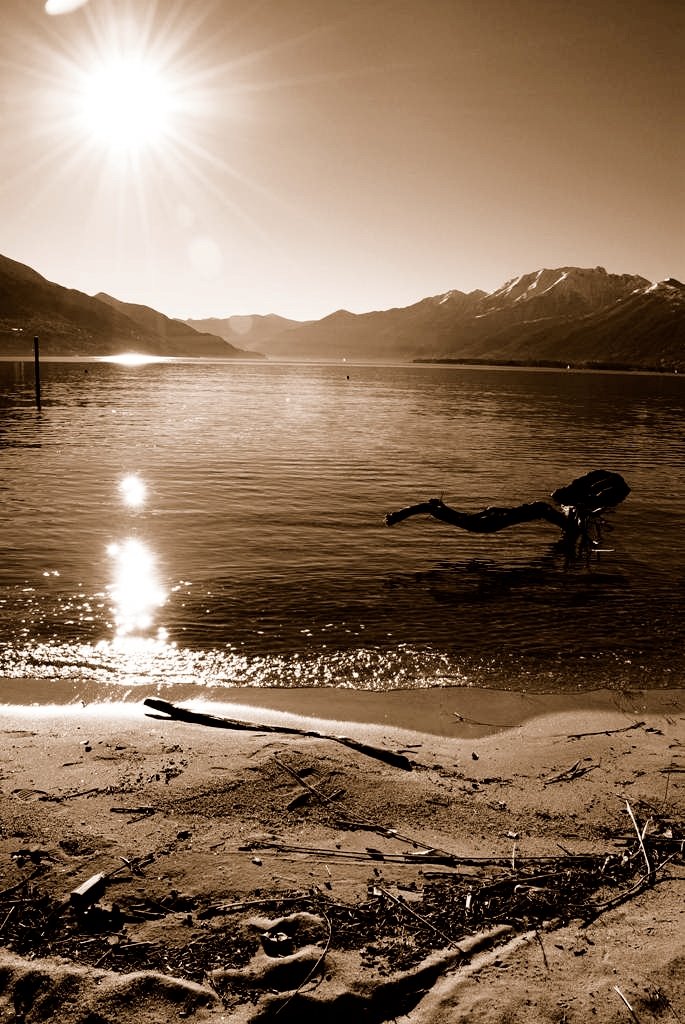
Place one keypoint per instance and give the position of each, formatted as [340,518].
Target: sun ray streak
[130,107]
[188,171]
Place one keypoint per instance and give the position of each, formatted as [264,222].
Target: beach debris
[423,856]
[641,841]
[231,908]
[631,1011]
[574,772]
[485,725]
[180,714]
[378,890]
[142,812]
[92,889]
[35,854]
[88,892]
[277,943]
[604,732]
[323,797]
[406,931]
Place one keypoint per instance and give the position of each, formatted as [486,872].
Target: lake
[216,525]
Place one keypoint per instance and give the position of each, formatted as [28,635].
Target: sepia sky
[220,157]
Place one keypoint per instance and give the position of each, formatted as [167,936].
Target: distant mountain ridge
[69,322]
[562,316]
[233,328]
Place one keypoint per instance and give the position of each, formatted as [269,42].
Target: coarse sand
[528,867]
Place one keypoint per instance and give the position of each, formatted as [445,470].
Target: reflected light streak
[133,490]
[134,359]
[136,592]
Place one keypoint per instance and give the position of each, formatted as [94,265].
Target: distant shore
[554,364]
[515,364]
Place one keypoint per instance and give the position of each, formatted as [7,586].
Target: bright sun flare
[127,103]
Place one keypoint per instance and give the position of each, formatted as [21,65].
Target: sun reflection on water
[136,592]
[134,359]
[133,490]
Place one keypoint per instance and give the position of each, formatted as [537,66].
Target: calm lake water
[221,525]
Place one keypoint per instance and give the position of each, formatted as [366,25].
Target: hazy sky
[216,157]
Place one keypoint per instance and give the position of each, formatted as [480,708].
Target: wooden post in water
[36,365]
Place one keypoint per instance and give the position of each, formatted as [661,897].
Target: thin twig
[486,725]
[603,732]
[574,772]
[650,868]
[389,833]
[228,908]
[312,789]
[544,955]
[616,901]
[59,798]
[419,917]
[630,1009]
[412,858]
[9,914]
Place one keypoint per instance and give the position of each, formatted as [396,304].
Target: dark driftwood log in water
[489,520]
[581,501]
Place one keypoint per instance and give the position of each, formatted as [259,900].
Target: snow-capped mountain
[567,315]
[563,316]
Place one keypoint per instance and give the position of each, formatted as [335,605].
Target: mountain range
[565,316]
[70,323]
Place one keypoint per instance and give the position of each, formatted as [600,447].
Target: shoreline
[445,712]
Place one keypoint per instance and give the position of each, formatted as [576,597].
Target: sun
[126,103]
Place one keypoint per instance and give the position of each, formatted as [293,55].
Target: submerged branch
[489,520]
[577,512]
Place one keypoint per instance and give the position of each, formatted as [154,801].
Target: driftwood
[604,732]
[577,511]
[172,711]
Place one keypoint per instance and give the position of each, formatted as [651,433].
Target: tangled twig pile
[395,927]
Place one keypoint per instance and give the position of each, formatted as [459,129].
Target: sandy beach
[519,860]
